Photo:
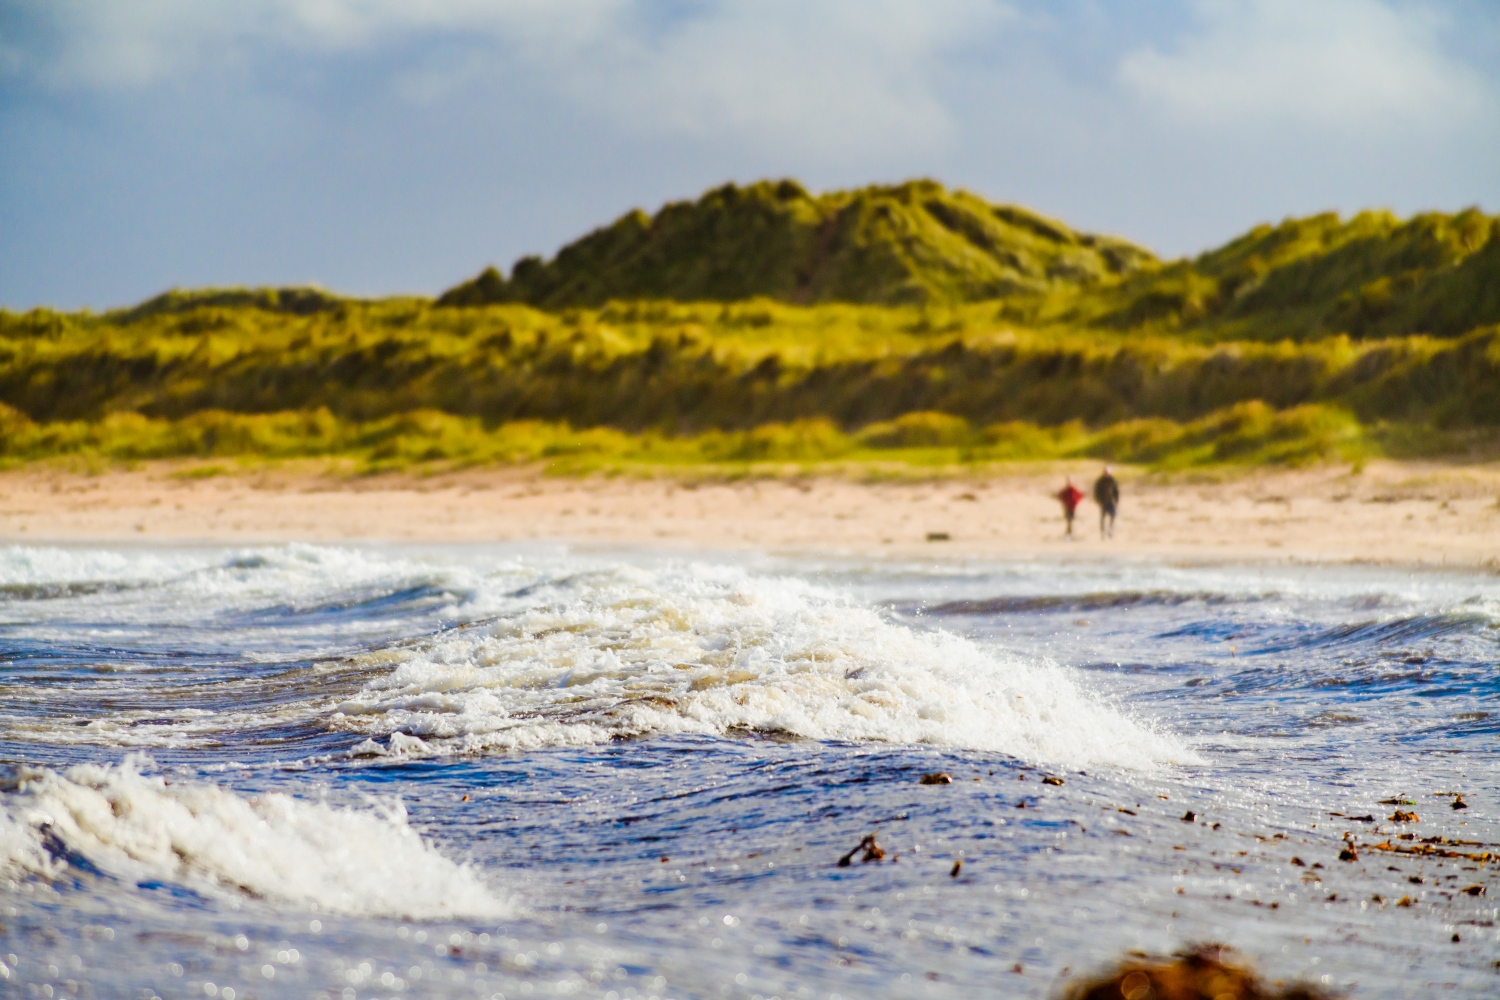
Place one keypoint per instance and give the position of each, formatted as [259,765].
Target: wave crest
[115,821]
[708,649]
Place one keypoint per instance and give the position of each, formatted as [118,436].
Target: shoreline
[1423,515]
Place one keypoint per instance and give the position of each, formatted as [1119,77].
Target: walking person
[1107,496]
[1070,497]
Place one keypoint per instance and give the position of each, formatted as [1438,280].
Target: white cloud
[843,77]
[137,43]
[840,76]
[1345,63]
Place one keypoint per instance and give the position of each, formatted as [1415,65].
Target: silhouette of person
[1107,496]
[1069,496]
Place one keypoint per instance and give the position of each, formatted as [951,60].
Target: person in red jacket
[1070,497]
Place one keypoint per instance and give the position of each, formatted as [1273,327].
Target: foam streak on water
[308,771]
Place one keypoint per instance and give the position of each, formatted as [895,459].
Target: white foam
[710,649]
[137,827]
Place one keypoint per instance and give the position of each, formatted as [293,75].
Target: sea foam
[627,652]
[133,827]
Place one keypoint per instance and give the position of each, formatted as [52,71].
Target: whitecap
[136,827]
[630,652]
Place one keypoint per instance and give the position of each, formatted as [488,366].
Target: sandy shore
[1388,512]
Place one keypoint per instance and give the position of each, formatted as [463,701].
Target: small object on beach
[1404,817]
[1021,804]
[1377,898]
[873,852]
[939,536]
[1404,901]
[1298,862]
[1456,939]
[1189,816]
[1018,969]
[1398,801]
[1459,803]
[1367,818]
[1204,973]
[1349,854]
[1049,780]
[937,778]
[464,799]
[1415,879]
[665,859]
[957,867]
[1473,890]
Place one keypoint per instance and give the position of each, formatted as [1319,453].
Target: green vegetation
[1250,433]
[978,334]
[1373,275]
[911,243]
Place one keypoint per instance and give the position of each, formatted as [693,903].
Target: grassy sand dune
[908,325]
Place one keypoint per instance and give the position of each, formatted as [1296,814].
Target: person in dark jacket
[1107,496]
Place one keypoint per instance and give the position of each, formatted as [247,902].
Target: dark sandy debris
[1049,780]
[873,852]
[958,866]
[1203,973]
[1349,854]
[1459,803]
[937,778]
[1400,816]
[1189,816]
[1473,890]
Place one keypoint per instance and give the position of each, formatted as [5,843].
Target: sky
[394,146]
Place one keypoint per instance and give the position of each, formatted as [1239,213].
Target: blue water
[504,771]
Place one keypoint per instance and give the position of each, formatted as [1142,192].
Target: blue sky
[382,146]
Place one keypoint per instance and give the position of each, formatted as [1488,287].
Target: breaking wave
[703,649]
[118,823]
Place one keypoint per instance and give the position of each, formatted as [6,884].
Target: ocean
[526,771]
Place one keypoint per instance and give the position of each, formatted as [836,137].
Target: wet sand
[1402,513]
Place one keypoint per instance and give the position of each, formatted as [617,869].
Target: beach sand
[1401,513]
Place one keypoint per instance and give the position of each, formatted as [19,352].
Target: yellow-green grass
[915,444]
[685,369]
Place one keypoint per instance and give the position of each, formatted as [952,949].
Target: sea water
[533,771]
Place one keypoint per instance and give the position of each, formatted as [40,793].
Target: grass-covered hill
[975,333]
[910,243]
[1372,275]
[1369,276]
[405,381]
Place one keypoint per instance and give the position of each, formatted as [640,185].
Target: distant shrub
[924,429]
[799,441]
